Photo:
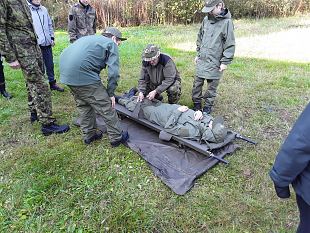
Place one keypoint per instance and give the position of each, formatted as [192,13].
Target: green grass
[58,184]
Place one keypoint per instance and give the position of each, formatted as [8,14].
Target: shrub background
[154,12]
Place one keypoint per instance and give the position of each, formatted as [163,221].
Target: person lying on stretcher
[179,120]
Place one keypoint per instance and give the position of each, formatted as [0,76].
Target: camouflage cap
[115,32]
[150,52]
[210,4]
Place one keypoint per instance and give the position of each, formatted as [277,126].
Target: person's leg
[38,91]
[101,102]
[3,91]
[87,113]
[174,92]
[210,94]
[47,54]
[197,92]
[304,212]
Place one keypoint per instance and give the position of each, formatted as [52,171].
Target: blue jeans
[47,54]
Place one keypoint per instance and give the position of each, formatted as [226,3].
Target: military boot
[96,136]
[197,106]
[123,140]
[207,109]
[55,87]
[3,92]
[33,117]
[54,128]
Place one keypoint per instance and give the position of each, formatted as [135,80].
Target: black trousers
[47,55]
[2,79]
[304,211]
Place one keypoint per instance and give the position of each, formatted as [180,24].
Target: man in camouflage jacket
[81,20]
[18,44]
[158,74]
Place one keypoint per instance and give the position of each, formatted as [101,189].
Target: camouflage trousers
[173,92]
[39,96]
[92,99]
[209,95]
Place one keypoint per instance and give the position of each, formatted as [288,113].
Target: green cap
[210,4]
[150,52]
[115,32]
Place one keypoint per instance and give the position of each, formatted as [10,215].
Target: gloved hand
[282,192]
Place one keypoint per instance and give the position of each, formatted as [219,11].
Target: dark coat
[292,164]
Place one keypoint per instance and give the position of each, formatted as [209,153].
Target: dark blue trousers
[304,211]
[47,54]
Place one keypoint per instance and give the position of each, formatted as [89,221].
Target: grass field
[58,184]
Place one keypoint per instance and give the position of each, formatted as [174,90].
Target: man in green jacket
[158,74]
[80,67]
[81,20]
[215,50]
[18,44]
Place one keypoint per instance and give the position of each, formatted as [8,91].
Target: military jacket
[16,29]
[159,77]
[82,62]
[81,21]
[215,45]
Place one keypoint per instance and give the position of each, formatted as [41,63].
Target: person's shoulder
[164,59]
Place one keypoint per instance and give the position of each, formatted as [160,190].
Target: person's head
[84,2]
[114,34]
[213,7]
[218,131]
[35,2]
[151,54]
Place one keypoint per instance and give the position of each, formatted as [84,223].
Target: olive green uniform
[80,67]
[81,21]
[162,77]
[215,46]
[18,41]
[176,122]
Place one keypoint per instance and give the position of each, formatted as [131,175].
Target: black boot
[207,109]
[197,106]
[54,128]
[3,92]
[55,87]
[33,117]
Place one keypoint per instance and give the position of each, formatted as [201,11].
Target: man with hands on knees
[80,67]
[158,74]
[292,166]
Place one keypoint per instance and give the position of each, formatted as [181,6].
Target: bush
[141,12]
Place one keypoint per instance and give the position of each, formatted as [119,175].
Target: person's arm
[229,44]
[72,25]
[294,155]
[199,39]
[144,80]
[169,73]
[5,46]
[50,28]
[95,23]
[113,69]
[173,119]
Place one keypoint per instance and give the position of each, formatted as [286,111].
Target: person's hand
[140,97]
[282,192]
[53,43]
[196,59]
[222,67]
[14,65]
[198,115]
[151,95]
[183,108]
[113,101]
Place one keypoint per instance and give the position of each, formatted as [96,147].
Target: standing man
[43,27]
[3,91]
[215,50]
[158,74]
[80,67]
[81,20]
[18,44]
[292,167]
